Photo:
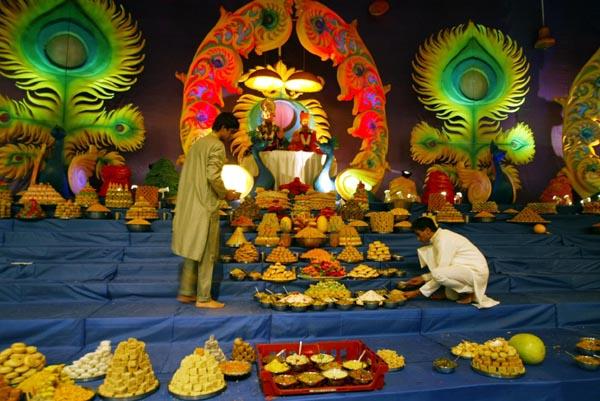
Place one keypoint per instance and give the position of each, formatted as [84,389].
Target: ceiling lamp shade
[379,7]
[303,81]
[264,80]
[545,39]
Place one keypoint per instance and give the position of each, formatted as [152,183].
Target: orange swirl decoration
[323,33]
[260,25]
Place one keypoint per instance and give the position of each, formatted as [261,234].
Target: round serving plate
[498,376]
[279,281]
[30,219]
[139,228]
[484,219]
[320,278]
[198,397]
[98,215]
[90,379]
[134,398]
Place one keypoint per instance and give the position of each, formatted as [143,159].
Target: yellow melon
[322,224]
[285,224]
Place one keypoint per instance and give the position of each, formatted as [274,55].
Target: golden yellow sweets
[281,255]
[72,392]
[349,236]
[278,272]
[350,255]
[44,194]
[243,351]
[488,206]
[130,372]
[197,375]
[378,251]
[449,214]
[363,272]
[237,238]
[528,215]
[141,209]
[118,196]
[310,232]
[87,196]
[266,199]
[465,349]
[20,361]
[97,207]
[246,253]
[335,224]
[67,210]
[497,357]
[139,222]
[391,358]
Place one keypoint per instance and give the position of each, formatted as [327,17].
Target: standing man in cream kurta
[196,223]
[454,262]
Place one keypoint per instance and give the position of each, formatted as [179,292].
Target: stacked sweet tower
[130,372]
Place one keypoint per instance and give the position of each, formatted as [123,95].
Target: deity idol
[269,132]
[305,138]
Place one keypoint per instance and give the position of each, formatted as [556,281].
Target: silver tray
[89,379]
[134,398]
[498,376]
[198,397]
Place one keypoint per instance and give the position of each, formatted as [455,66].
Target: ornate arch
[263,25]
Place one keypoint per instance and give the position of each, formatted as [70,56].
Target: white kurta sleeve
[214,167]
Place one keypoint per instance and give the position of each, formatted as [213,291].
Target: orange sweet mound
[528,215]
[317,254]
[139,221]
[242,221]
[484,214]
[310,232]
[97,207]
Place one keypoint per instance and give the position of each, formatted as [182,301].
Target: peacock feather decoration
[581,129]
[472,77]
[69,56]
[260,25]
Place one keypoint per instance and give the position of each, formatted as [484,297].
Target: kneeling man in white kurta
[454,263]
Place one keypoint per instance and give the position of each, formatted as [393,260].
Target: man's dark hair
[423,223]
[227,120]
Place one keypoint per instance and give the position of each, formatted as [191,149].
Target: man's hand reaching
[232,195]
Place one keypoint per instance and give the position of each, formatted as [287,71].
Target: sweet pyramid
[197,375]
[497,357]
[211,346]
[92,364]
[130,372]
[87,196]
[242,351]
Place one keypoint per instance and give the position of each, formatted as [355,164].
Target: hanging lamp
[545,39]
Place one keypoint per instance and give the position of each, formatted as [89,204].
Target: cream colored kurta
[454,262]
[200,188]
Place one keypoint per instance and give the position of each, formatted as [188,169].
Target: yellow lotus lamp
[304,82]
[264,79]
[237,178]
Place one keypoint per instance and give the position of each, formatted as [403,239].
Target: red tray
[342,350]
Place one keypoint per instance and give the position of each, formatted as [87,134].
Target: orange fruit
[539,229]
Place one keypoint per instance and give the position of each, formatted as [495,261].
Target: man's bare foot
[212,304]
[465,299]
[186,299]
[439,295]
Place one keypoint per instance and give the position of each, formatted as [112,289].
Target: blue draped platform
[66,285]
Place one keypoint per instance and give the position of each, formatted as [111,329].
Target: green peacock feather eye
[269,18]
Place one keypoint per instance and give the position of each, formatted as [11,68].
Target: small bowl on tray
[137,228]
[311,379]
[444,365]
[279,306]
[588,346]
[587,362]
[361,376]
[344,304]
[310,242]
[97,215]
[371,305]
[299,307]
[285,381]
[319,305]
